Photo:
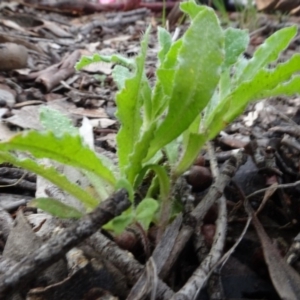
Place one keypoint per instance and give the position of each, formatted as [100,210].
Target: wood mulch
[46,258]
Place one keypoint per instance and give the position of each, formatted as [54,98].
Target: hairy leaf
[118,59]
[165,42]
[191,8]
[140,151]
[120,74]
[235,103]
[161,93]
[263,80]
[55,121]
[129,102]
[289,88]
[172,151]
[56,208]
[236,42]
[196,77]
[268,52]
[51,174]
[67,150]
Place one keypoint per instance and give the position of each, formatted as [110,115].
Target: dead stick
[29,267]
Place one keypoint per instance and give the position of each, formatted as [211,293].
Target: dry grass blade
[285,279]
[268,194]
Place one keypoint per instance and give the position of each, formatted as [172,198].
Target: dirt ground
[39,47]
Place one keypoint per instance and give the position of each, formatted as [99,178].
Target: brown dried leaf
[285,279]
[266,4]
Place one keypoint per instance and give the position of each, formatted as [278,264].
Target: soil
[39,47]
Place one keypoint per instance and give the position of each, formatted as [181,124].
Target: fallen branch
[28,268]
[196,216]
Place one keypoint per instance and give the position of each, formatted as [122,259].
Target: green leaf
[172,151]
[235,103]
[163,178]
[165,42]
[141,148]
[67,149]
[263,80]
[56,208]
[129,102]
[121,60]
[225,87]
[268,52]
[239,67]
[51,174]
[120,74]
[161,97]
[195,142]
[191,8]
[146,94]
[145,212]
[124,183]
[168,67]
[289,88]
[55,121]
[119,223]
[116,58]
[100,188]
[197,75]
[153,190]
[236,42]
[83,62]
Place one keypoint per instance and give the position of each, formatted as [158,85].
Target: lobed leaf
[67,149]
[289,88]
[116,58]
[268,52]
[235,103]
[51,174]
[263,80]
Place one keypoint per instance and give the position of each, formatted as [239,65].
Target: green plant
[248,16]
[221,7]
[203,82]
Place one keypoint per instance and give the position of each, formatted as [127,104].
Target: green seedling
[221,7]
[203,82]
